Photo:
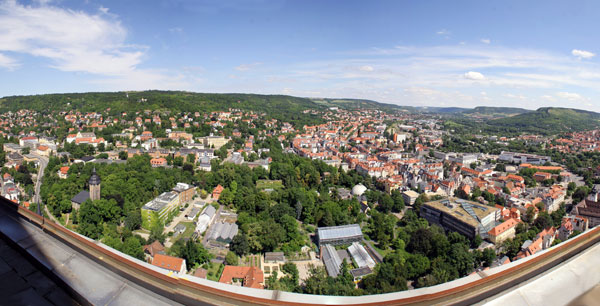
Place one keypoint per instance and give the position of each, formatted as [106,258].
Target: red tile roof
[168,262]
[252,277]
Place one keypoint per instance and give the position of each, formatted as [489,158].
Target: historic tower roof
[94,179]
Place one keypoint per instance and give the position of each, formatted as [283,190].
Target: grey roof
[360,255]
[339,232]
[331,260]
[209,211]
[179,227]
[194,212]
[94,179]
[81,197]
[181,187]
[224,231]
[161,201]
[15,156]
[361,272]
[274,256]
[87,158]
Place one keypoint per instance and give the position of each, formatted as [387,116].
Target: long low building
[331,260]
[224,231]
[342,234]
[465,217]
[360,256]
[205,219]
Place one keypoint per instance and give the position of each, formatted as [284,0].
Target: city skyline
[464,53]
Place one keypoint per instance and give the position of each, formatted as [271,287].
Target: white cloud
[72,40]
[486,41]
[569,95]
[246,67]
[582,54]
[443,32]
[366,68]
[474,75]
[7,62]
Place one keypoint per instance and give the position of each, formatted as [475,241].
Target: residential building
[63,172]
[570,224]
[503,231]
[410,197]
[217,192]
[186,192]
[205,219]
[158,162]
[251,277]
[173,264]
[589,210]
[154,248]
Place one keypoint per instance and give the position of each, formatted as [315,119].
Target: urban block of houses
[542,241]
[571,224]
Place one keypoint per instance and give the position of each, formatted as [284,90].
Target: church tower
[94,186]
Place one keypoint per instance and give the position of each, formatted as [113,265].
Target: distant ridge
[551,120]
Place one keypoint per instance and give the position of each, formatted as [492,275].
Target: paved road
[38,183]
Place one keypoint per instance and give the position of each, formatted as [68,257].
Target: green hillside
[549,120]
[286,108]
[489,110]
[357,104]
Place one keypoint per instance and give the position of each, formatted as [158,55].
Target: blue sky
[424,53]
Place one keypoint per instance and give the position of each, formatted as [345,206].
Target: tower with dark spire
[94,183]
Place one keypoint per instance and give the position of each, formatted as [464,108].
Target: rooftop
[466,211]
[168,262]
[339,232]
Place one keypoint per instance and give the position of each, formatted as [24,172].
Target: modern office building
[465,217]
[159,209]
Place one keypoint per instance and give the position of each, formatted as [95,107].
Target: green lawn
[214,272]
[189,230]
[266,184]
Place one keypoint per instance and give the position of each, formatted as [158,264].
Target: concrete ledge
[190,290]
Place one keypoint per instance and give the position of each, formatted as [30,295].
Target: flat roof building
[342,234]
[465,217]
